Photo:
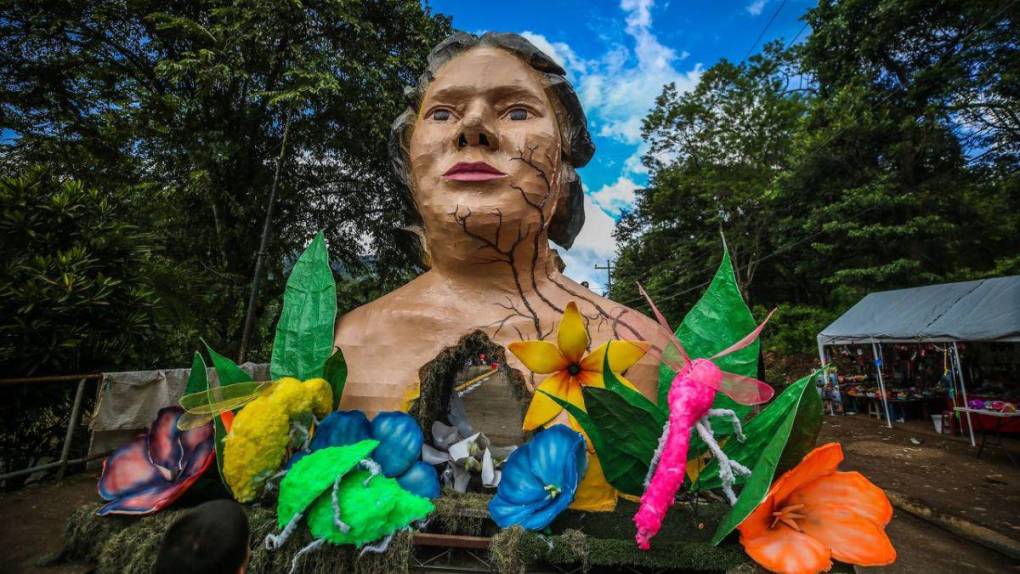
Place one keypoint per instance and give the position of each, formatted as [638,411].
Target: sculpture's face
[485,138]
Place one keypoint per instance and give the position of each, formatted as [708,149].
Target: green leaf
[227,371]
[775,432]
[719,319]
[625,472]
[304,334]
[621,424]
[806,427]
[335,372]
[197,379]
[581,417]
[633,397]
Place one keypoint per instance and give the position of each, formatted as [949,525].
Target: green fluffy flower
[365,506]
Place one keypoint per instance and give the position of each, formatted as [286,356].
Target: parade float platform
[460,537]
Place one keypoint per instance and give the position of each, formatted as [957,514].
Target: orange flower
[813,514]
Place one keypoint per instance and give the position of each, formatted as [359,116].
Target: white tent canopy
[983,310]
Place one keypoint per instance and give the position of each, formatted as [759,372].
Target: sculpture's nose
[477,128]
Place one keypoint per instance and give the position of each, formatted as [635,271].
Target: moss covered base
[596,541]
[124,545]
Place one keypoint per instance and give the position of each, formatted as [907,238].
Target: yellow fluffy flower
[257,443]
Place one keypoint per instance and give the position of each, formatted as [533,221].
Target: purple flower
[156,468]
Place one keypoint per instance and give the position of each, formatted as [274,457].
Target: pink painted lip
[473,171]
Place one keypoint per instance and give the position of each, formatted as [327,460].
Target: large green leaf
[717,320]
[806,427]
[627,427]
[335,372]
[783,420]
[800,403]
[622,469]
[304,334]
[227,373]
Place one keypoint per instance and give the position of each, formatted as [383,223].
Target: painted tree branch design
[525,304]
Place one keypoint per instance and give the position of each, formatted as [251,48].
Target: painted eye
[518,114]
[441,115]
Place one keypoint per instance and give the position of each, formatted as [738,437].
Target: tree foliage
[73,299]
[891,163]
[184,105]
[716,155]
[73,296]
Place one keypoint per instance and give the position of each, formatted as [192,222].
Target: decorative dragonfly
[202,407]
[690,399]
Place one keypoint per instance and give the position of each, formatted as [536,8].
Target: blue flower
[400,441]
[421,479]
[540,479]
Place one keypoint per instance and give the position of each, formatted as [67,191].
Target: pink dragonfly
[690,399]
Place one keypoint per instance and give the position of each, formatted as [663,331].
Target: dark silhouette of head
[211,539]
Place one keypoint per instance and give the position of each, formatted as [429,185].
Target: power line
[794,40]
[765,29]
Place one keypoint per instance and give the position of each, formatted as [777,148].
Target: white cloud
[560,52]
[755,8]
[633,163]
[594,245]
[627,130]
[617,196]
[619,87]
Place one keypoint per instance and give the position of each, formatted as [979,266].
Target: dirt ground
[32,522]
[922,547]
[942,471]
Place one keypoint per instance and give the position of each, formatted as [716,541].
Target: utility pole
[609,274]
[249,318]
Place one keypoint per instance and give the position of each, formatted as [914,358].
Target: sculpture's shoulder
[402,309]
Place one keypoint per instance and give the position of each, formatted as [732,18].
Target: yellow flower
[568,367]
[257,443]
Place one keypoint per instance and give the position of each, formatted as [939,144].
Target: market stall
[943,317]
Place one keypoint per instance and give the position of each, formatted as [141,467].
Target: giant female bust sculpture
[488,150]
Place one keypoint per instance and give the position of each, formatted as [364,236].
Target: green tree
[185,105]
[73,295]
[897,166]
[901,184]
[715,155]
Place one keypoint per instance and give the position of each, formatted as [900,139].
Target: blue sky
[618,55]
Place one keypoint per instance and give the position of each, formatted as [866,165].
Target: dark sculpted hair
[573,126]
